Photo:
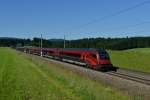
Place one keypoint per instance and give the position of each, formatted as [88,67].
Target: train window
[103,54]
[72,55]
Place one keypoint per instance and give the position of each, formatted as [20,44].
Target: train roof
[86,49]
[83,49]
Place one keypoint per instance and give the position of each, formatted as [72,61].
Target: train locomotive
[97,59]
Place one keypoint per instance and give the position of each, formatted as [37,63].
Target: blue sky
[55,18]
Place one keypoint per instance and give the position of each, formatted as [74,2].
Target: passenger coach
[97,59]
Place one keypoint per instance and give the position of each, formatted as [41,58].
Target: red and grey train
[97,59]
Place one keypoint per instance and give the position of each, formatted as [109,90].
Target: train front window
[103,54]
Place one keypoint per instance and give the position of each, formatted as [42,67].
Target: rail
[128,76]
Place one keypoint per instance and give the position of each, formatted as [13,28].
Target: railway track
[128,76]
[132,82]
[135,76]
[132,75]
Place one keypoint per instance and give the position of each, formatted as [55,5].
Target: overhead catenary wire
[133,25]
[125,27]
[113,14]
[137,24]
[108,17]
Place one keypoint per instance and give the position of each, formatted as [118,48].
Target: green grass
[136,59]
[29,78]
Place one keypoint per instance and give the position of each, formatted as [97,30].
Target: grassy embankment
[28,78]
[136,59]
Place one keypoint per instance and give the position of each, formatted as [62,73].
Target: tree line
[106,43]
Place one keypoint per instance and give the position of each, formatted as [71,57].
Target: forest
[106,43]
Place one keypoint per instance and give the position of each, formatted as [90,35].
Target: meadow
[135,59]
[23,77]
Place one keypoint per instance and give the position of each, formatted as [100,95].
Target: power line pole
[88,42]
[64,41]
[41,45]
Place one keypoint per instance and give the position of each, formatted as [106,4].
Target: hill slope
[137,59]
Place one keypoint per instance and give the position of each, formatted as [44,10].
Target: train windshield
[103,54]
